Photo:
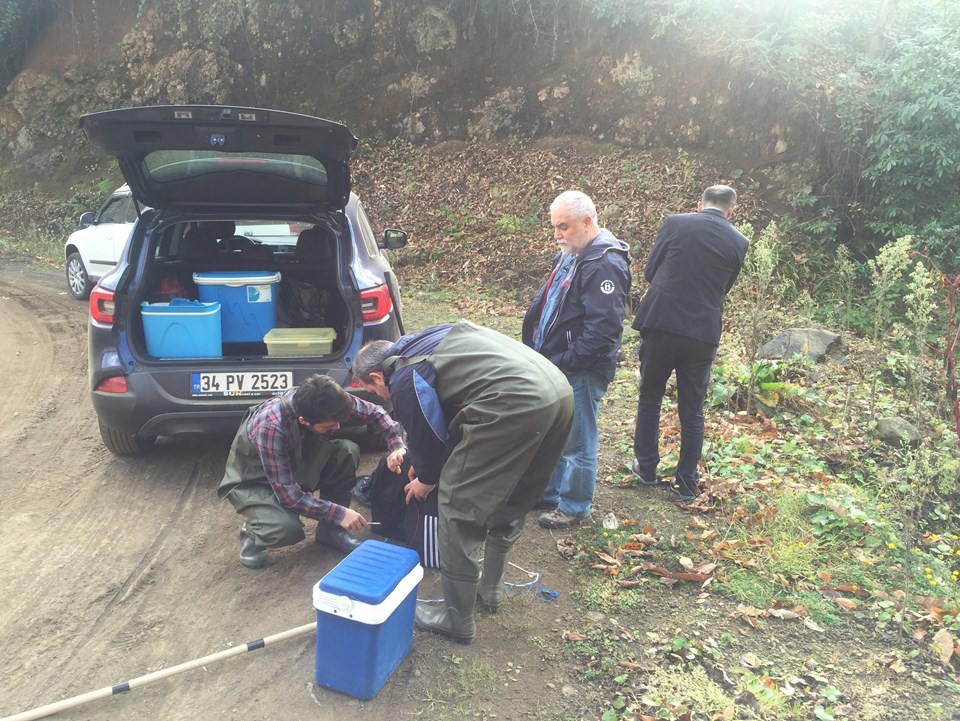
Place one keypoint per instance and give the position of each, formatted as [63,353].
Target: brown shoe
[559,519]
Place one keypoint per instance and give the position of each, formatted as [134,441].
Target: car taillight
[375,303]
[113,384]
[102,306]
[294,229]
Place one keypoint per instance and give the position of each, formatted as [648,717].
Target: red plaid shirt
[271,428]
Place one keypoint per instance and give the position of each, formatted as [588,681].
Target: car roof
[195,157]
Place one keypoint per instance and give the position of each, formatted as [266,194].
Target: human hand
[353,521]
[395,460]
[418,490]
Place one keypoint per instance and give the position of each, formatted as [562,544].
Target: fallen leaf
[629,664]
[943,645]
[812,625]
[573,636]
[608,559]
[750,660]
[685,562]
[853,588]
[845,603]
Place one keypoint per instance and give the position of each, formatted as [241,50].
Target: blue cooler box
[365,608]
[182,329]
[248,302]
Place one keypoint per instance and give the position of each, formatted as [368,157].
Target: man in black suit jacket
[692,266]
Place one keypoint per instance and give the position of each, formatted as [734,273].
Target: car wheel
[78,282]
[125,444]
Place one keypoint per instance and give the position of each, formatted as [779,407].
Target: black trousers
[661,354]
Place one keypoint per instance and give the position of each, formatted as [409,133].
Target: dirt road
[115,567]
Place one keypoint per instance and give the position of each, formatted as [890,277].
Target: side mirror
[87,219]
[393,238]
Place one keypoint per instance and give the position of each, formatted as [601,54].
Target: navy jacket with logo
[586,330]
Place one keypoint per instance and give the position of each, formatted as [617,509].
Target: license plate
[204,385]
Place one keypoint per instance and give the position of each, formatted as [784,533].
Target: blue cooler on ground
[365,607]
[248,302]
[182,329]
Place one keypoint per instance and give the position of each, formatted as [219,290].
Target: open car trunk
[267,287]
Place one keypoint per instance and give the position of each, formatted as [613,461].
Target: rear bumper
[147,409]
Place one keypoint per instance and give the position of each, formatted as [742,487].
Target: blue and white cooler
[365,607]
[182,329]
[248,302]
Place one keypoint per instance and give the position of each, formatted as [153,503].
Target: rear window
[164,166]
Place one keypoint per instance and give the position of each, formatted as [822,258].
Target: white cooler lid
[236,278]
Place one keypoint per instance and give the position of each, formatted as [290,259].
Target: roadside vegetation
[811,539]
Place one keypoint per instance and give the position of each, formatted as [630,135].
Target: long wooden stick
[53,708]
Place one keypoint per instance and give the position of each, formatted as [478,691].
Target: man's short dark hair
[320,400]
[369,359]
[719,196]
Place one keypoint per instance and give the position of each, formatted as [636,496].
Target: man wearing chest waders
[486,420]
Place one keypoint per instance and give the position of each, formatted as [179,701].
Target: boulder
[897,432]
[811,342]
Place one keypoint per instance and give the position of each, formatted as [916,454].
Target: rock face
[813,343]
[417,69]
[897,432]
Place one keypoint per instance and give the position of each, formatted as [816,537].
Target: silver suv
[250,266]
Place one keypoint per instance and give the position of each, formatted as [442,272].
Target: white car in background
[91,252]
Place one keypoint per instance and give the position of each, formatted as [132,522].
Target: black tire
[125,444]
[78,282]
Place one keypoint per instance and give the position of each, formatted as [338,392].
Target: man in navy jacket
[576,320]
[692,266]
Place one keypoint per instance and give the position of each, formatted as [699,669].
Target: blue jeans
[574,477]
[661,354]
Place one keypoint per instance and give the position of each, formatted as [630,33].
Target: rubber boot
[251,555]
[332,535]
[491,592]
[453,617]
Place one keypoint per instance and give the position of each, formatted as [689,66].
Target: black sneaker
[361,490]
[635,467]
[687,490]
